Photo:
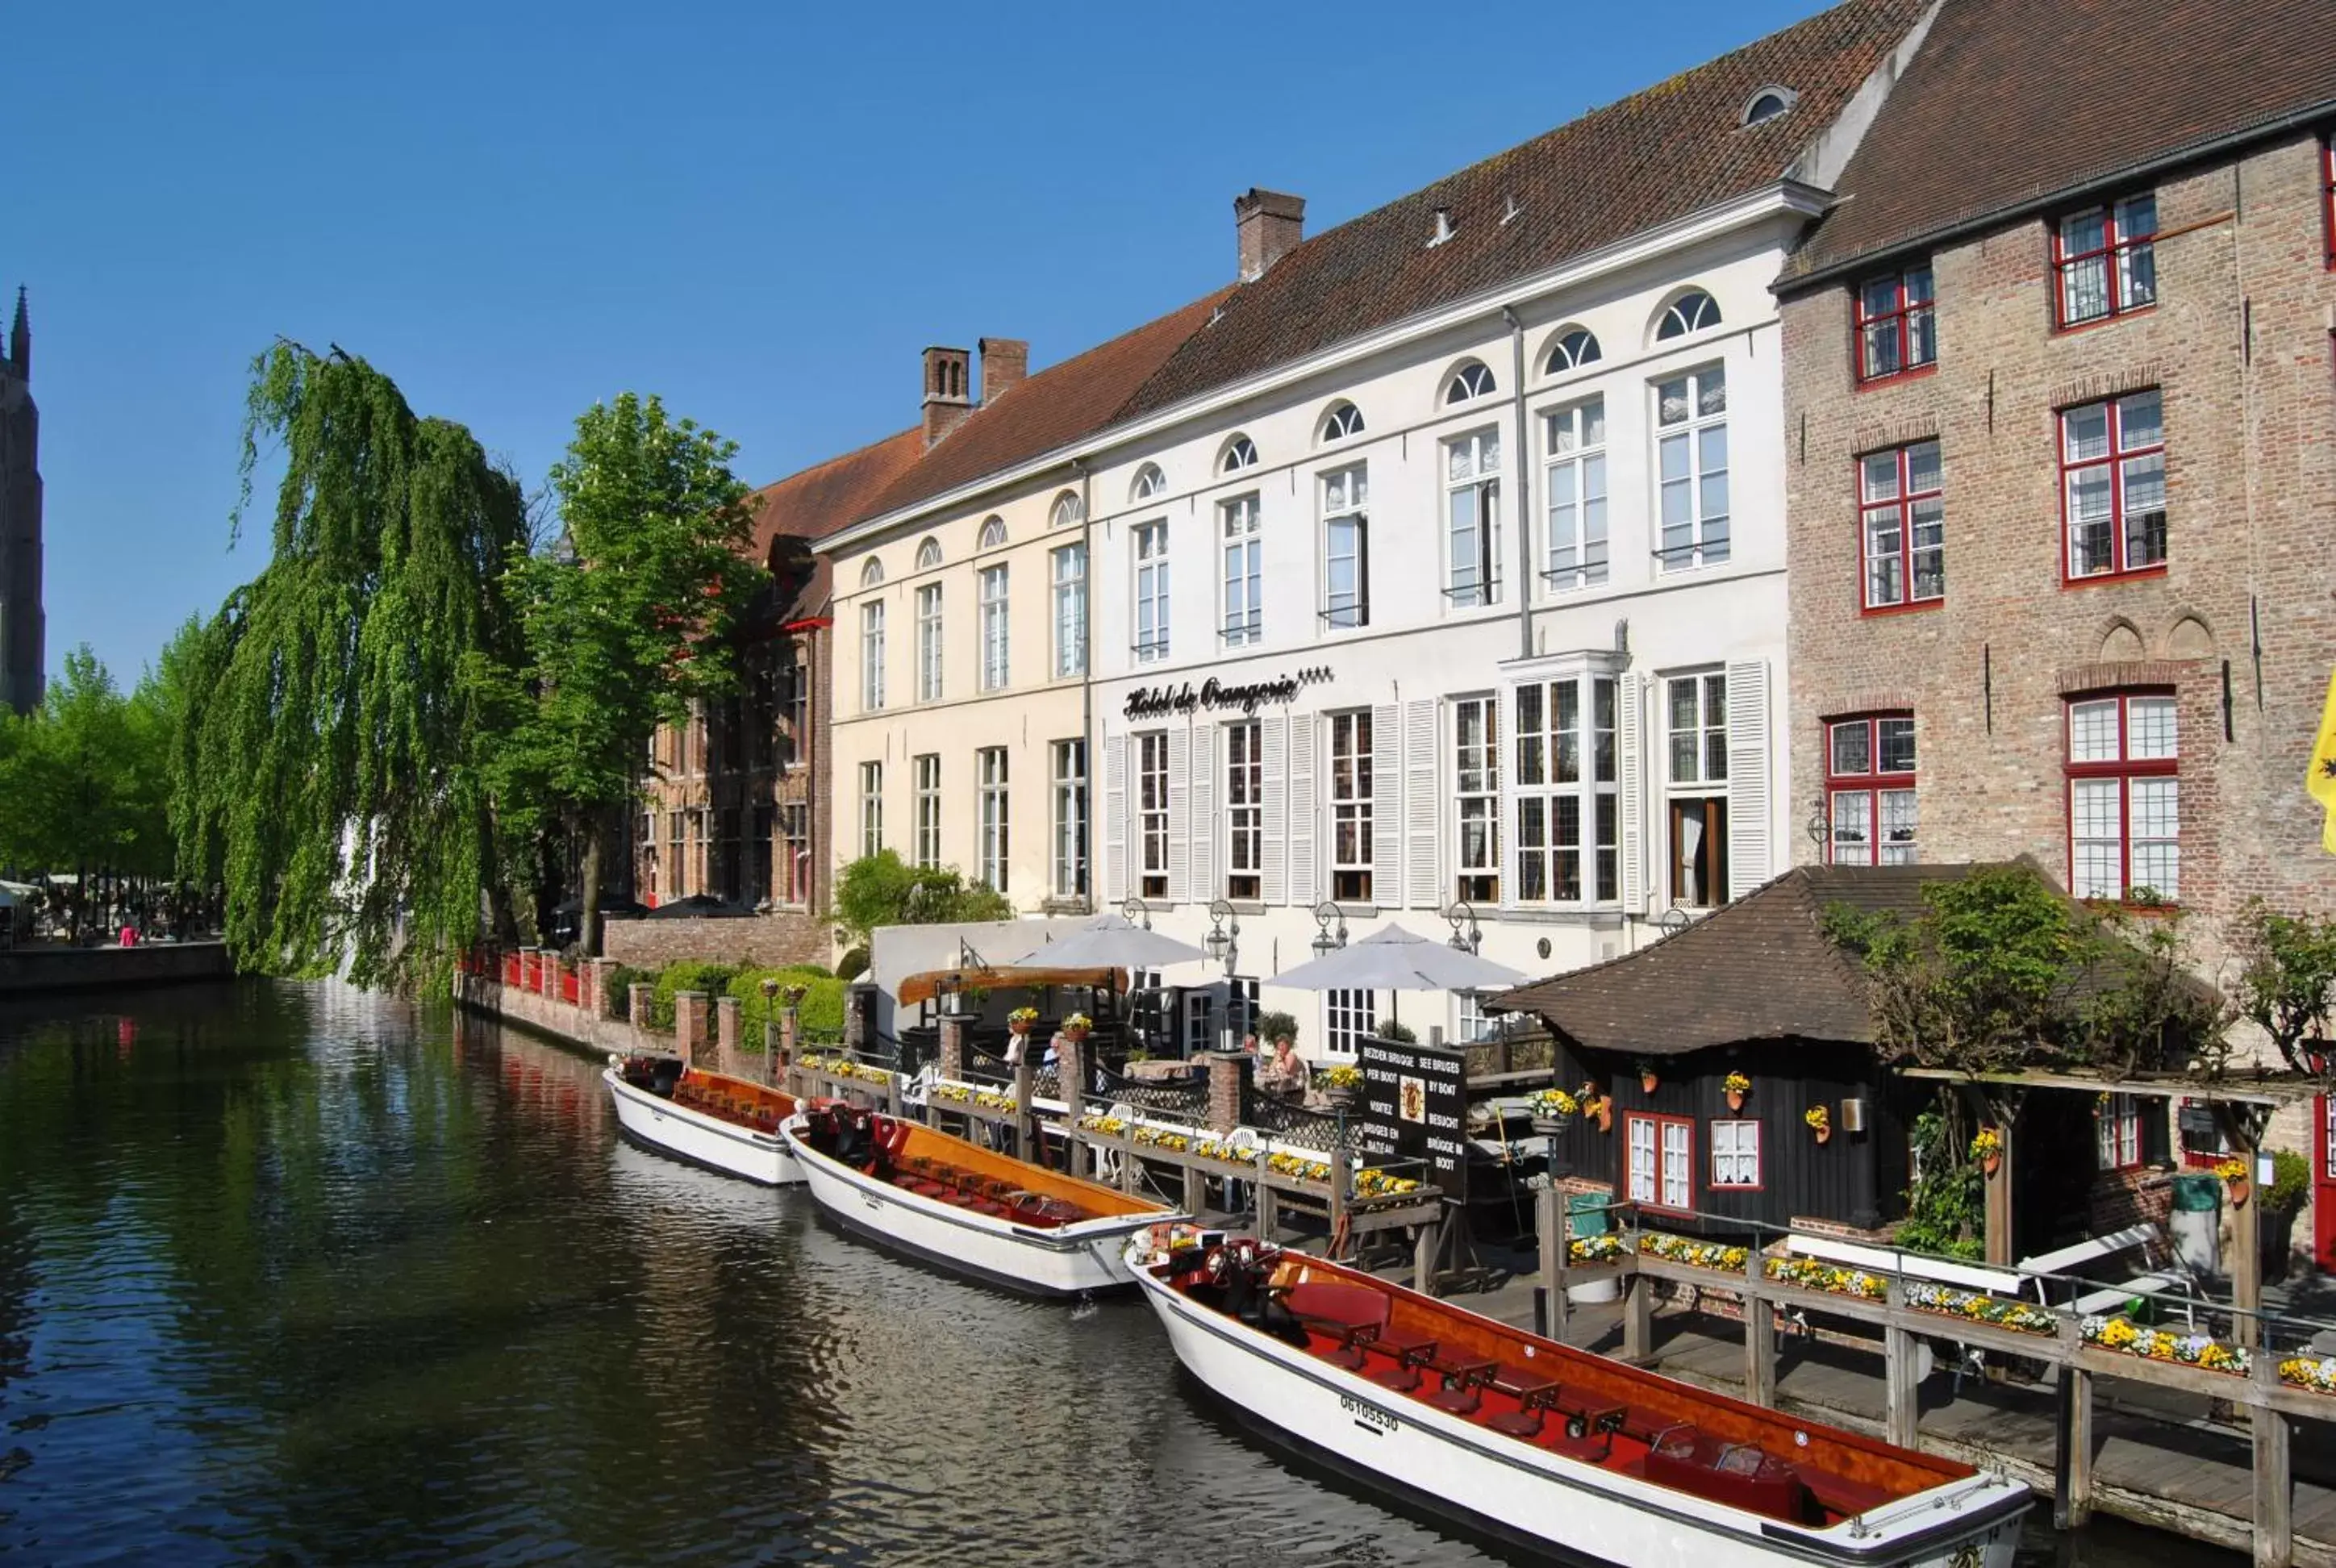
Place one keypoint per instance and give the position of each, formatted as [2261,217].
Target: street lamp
[1466,935]
[1325,943]
[1819,825]
[1671,922]
[1135,911]
[1224,930]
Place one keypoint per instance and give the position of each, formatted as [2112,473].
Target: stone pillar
[551,967]
[779,1036]
[688,1024]
[1227,1071]
[640,1000]
[729,1021]
[604,989]
[856,1028]
[952,1046]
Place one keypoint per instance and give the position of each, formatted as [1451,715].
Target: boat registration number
[1366,1415]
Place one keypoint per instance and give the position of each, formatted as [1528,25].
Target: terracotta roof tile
[808,506]
[2040,98]
[1654,157]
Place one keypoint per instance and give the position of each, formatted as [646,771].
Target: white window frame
[2116,1133]
[928,642]
[1149,543]
[926,779]
[871,808]
[1245,810]
[1565,764]
[1345,496]
[1070,803]
[1347,1017]
[1149,842]
[1352,878]
[1705,777]
[1576,528]
[1734,1151]
[1476,847]
[1471,552]
[996,648]
[1069,567]
[872,657]
[1692,499]
[1242,543]
[2124,777]
[994,845]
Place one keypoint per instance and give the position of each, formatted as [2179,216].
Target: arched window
[1343,421]
[1149,482]
[1067,512]
[993,534]
[872,573]
[1690,312]
[1769,103]
[928,554]
[1472,380]
[1239,454]
[1575,348]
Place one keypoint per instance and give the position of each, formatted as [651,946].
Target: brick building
[2062,431]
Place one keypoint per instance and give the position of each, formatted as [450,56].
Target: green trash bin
[2195,1223]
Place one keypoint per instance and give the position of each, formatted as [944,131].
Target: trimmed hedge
[822,1011]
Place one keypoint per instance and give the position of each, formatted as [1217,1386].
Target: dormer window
[1239,454]
[2107,261]
[1692,312]
[1343,421]
[1471,381]
[1574,348]
[872,573]
[993,533]
[1149,482]
[1769,103]
[929,555]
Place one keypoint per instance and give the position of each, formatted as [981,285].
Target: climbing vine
[1946,1207]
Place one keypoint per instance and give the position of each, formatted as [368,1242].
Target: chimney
[948,391]
[1268,225]
[1005,365]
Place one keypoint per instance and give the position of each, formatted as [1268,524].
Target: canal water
[292,1274]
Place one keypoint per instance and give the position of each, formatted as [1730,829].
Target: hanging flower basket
[1987,1148]
[1552,1112]
[1820,1121]
[2235,1180]
[1736,1086]
[1020,1019]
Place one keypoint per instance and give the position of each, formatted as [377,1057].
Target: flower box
[2124,1335]
[1695,1254]
[1978,1307]
[2303,1372]
[1811,1275]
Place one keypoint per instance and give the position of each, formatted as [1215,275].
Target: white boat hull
[702,1139]
[1530,1496]
[1066,1260]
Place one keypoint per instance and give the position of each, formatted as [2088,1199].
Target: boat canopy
[927,984]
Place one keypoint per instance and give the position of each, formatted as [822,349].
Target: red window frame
[1870,784]
[2115,243]
[2114,460]
[1759,1157]
[2121,1113]
[2124,770]
[1906,307]
[1660,1123]
[1903,504]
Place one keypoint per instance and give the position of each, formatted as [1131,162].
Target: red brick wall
[766,940]
[2251,452]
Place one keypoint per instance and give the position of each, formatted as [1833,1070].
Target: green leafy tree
[626,623]
[333,748]
[2287,978]
[883,890]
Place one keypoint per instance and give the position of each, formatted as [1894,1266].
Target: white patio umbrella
[1395,959]
[1110,942]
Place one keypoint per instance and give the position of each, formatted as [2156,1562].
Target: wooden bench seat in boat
[1738,1475]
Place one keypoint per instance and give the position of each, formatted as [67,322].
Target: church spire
[20,339]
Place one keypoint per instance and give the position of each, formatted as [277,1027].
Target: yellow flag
[2321,780]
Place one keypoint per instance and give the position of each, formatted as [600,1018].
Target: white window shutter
[1275,800]
[1748,776]
[1422,879]
[1631,744]
[1180,806]
[1204,833]
[1386,805]
[1114,819]
[1304,887]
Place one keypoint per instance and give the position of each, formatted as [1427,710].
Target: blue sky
[761,212]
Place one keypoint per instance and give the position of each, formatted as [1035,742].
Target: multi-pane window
[1152,813]
[1471,381]
[1151,591]
[1472,509]
[1476,798]
[1346,547]
[1070,574]
[871,807]
[1070,856]
[677,859]
[2116,1128]
[929,643]
[1343,421]
[928,844]
[1244,812]
[1902,524]
[2113,484]
[2107,261]
[871,656]
[1694,311]
[1575,485]
[2124,799]
[1568,804]
[1895,331]
[1661,1155]
[1691,462]
[797,681]
[994,624]
[1696,793]
[1351,805]
[1348,1018]
[794,852]
[1734,1153]
[1572,350]
[1239,453]
[1244,568]
[991,765]
[1870,791]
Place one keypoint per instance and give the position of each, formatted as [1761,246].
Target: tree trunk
[587,922]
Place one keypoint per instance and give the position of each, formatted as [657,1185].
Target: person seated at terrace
[1285,1072]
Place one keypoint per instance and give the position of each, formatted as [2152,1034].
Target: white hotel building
[1437,576]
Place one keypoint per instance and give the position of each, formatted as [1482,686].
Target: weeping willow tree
[330,768]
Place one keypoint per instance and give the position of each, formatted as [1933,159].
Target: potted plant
[1397,1033]
[1076,1025]
[1820,1121]
[1341,1085]
[1736,1086]
[1272,1027]
[1647,1077]
[1987,1148]
[1021,1019]
[2233,1173]
[1552,1111]
[2291,1184]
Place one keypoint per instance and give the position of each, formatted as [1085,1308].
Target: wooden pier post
[1549,1236]
[1903,1412]
[1639,1319]
[2072,1501]
[1426,1247]
[1024,1075]
[1268,1215]
[1071,1074]
[1759,1332]
[2274,1495]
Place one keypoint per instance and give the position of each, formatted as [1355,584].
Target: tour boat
[1546,1446]
[965,1208]
[725,1123]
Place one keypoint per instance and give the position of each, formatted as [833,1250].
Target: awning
[923,986]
